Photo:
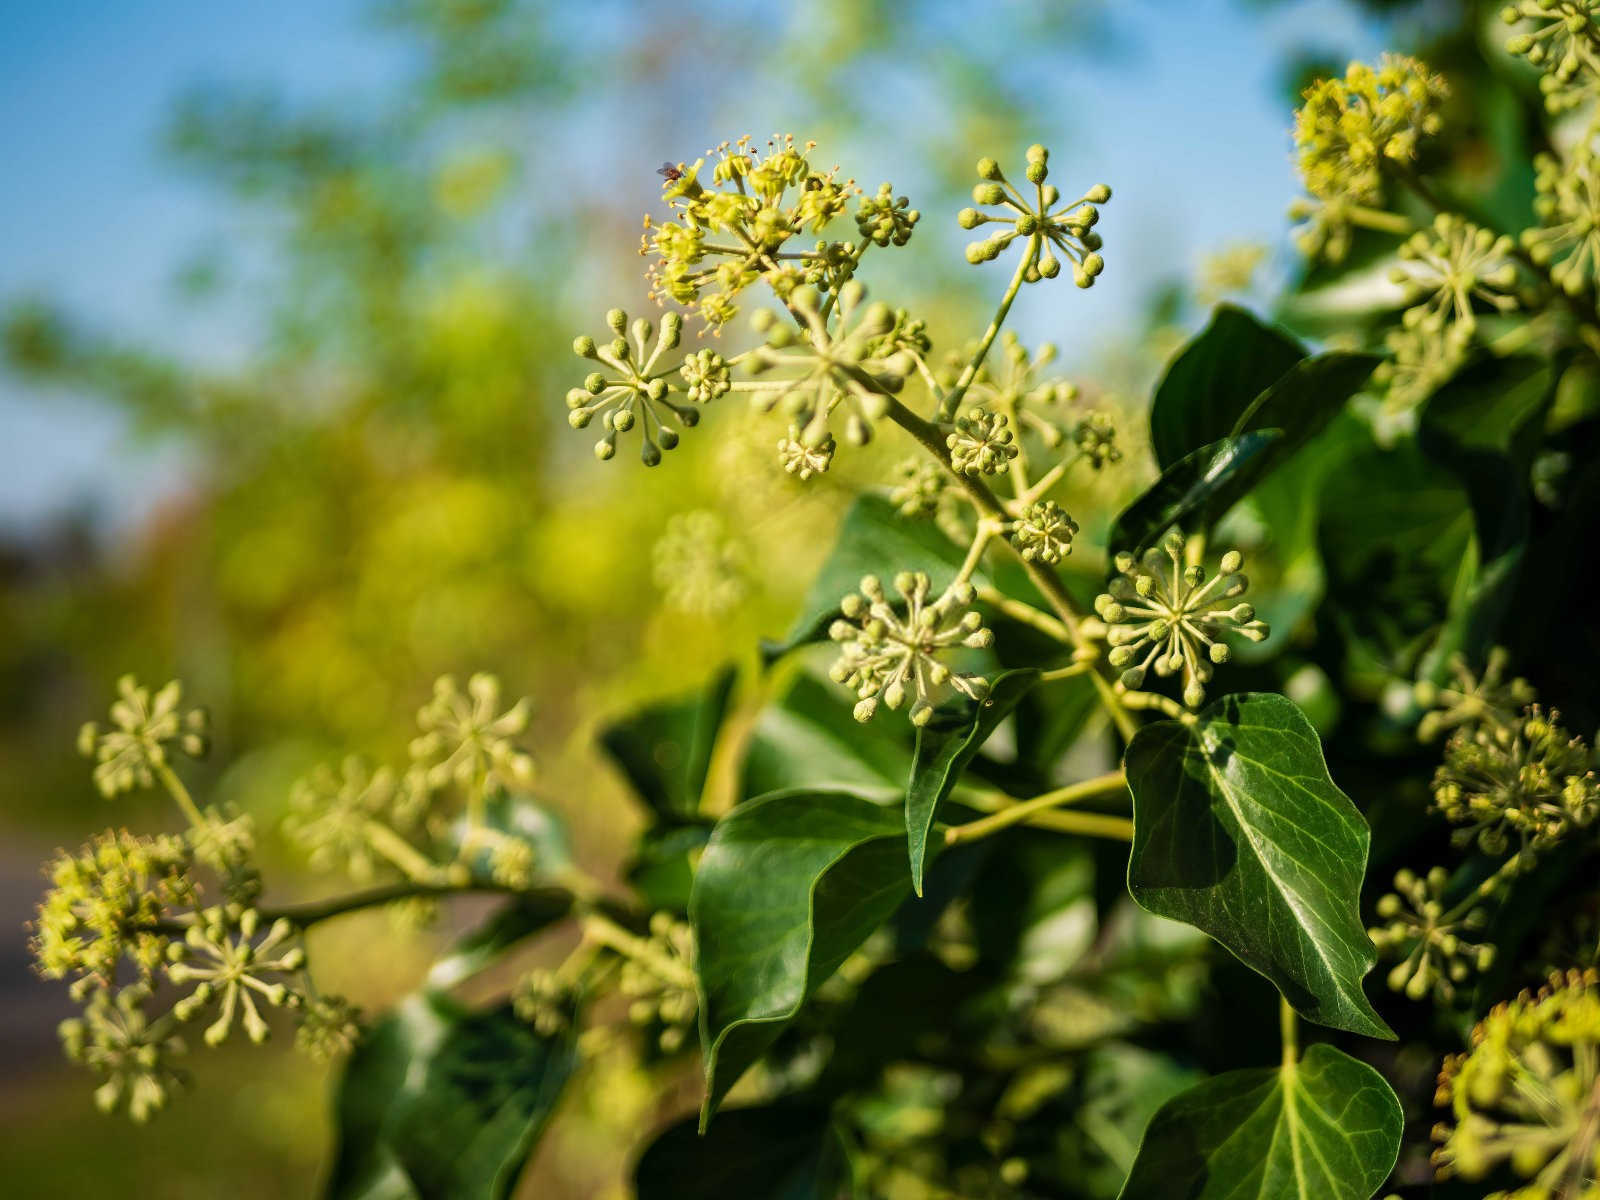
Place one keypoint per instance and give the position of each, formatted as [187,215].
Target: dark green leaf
[1305,399]
[789,886]
[750,1154]
[873,539]
[1239,831]
[1325,1128]
[944,748]
[440,1103]
[661,868]
[1197,489]
[810,739]
[665,749]
[1214,378]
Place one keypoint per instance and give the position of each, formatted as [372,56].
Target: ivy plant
[1029,861]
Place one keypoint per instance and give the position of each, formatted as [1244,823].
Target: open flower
[104,903]
[735,225]
[1523,1096]
[884,656]
[1348,129]
[1526,782]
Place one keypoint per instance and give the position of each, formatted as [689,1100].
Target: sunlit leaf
[1239,831]
[1324,1128]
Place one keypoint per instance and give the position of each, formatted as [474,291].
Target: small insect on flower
[669,172]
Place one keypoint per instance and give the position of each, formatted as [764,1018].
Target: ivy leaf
[944,748]
[873,539]
[1267,430]
[778,1153]
[1203,484]
[789,886]
[810,739]
[1240,832]
[665,749]
[439,1102]
[1324,1128]
[1214,378]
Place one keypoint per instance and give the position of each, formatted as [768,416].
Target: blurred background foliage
[384,489]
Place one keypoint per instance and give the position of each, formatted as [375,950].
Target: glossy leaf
[873,539]
[1266,430]
[1324,1128]
[944,748]
[1308,396]
[1195,490]
[809,738]
[1213,379]
[442,1103]
[779,1153]
[789,886]
[665,749]
[1239,831]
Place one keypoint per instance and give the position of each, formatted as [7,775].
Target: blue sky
[92,215]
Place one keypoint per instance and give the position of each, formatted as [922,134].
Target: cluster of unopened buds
[1042,222]
[1429,937]
[144,729]
[1165,616]
[638,391]
[893,658]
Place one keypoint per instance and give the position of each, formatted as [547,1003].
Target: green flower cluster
[1562,39]
[636,392]
[1161,614]
[1429,938]
[1523,1095]
[1347,133]
[1042,222]
[848,365]
[758,202]
[144,729]
[698,567]
[891,658]
[1525,783]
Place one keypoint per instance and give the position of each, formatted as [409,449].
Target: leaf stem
[1289,1031]
[1093,824]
